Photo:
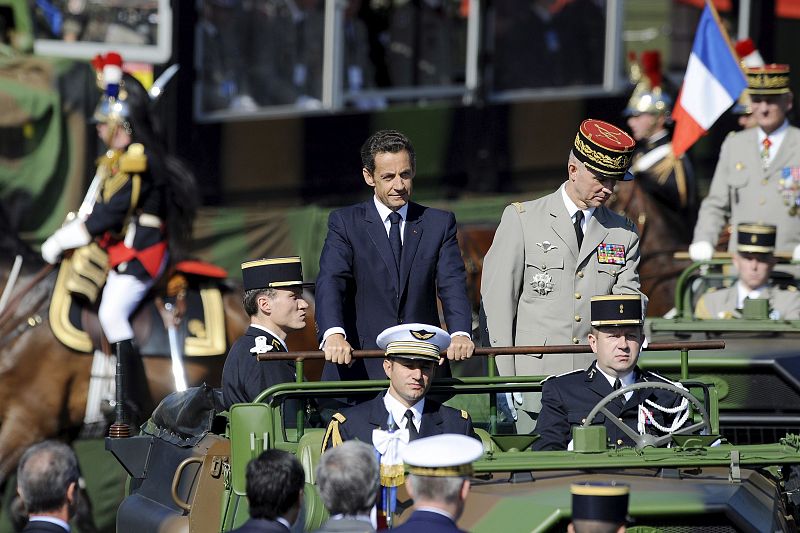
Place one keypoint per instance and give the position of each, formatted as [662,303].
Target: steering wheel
[641,441]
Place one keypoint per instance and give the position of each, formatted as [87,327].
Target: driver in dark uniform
[616,338]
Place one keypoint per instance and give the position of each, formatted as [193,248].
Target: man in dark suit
[383,263]
[274,483]
[616,339]
[274,301]
[47,482]
[412,352]
[439,470]
[348,481]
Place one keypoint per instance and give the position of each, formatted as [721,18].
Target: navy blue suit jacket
[567,400]
[428,522]
[437,419]
[360,289]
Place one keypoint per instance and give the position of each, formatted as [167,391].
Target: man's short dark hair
[348,478]
[383,141]
[274,480]
[250,299]
[44,474]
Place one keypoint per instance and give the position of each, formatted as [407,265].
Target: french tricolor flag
[712,83]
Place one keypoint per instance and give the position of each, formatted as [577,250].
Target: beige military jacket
[784,304]
[536,285]
[741,191]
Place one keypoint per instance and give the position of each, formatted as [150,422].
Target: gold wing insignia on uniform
[422,334]
[133,160]
[332,434]
[464,414]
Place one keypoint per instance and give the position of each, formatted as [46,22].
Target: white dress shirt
[573,209]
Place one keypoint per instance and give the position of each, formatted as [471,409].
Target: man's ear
[71,490]
[387,367]
[464,490]
[264,303]
[593,342]
[368,177]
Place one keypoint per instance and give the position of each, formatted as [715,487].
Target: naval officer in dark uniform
[412,354]
[616,338]
[274,301]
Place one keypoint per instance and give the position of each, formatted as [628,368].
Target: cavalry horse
[662,232]
[43,383]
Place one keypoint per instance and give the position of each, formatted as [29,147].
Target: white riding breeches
[121,295]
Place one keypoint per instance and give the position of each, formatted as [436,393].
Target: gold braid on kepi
[756,238]
[413,341]
[616,310]
[607,502]
[769,79]
[273,273]
[446,455]
[605,149]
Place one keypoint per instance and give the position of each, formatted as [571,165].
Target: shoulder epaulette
[133,160]
[564,374]
[340,418]
[519,207]
[464,415]
[791,288]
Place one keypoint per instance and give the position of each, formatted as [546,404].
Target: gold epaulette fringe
[392,475]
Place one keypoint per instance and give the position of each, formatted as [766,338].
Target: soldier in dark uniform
[599,507]
[412,353]
[615,339]
[274,301]
[669,180]
[139,210]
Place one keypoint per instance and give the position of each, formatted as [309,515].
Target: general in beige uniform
[751,183]
[537,282]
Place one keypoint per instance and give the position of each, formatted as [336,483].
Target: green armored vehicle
[757,376]
[187,467]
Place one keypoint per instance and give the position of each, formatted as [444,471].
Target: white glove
[796,253]
[72,235]
[701,251]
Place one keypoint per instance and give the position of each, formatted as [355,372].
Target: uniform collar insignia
[261,345]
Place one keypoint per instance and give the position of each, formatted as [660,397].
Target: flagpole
[725,35]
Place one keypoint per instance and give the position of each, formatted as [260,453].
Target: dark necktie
[412,429]
[394,237]
[578,228]
[618,386]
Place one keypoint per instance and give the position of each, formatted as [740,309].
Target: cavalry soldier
[758,173]
[141,204]
[669,180]
[754,261]
[412,353]
[616,339]
[273,299]
[550,255]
